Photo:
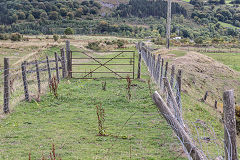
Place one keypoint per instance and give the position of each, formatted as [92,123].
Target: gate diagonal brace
[102,65]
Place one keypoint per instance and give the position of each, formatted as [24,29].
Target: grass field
[229,59]
[135,129]
[228,25]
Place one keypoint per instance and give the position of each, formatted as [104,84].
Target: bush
[68,31]
[120,43]
[55,37]
[94,46]
[16,37]
[4,37]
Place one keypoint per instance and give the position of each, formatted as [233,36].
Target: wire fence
[29,80]
[198,138]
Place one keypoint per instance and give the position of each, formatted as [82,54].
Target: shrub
[55,37]
[16,37]
[4,37]
[68,31]
[94,46]
[120,43]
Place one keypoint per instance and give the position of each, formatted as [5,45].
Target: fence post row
[230,133]
[57,68]
[24,77]
[38,77]
[63,60]
[6,86]
[69,64]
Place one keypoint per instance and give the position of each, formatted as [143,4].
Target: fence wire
[201,133]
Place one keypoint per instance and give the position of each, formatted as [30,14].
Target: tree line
[146,8]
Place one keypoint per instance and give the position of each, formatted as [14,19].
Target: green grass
[227,25]
[230,59]
[70,122]
[134,127]
[178,53]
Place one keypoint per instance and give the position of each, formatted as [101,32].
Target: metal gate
[117,64]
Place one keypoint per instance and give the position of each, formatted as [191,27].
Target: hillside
[196,20]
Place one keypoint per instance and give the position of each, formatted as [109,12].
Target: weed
[129,82]
[149,86]
[52,155]
[53,85]
[104,84]
[101,120]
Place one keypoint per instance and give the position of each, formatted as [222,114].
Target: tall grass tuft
[101,120]
[53,85]
[129,83]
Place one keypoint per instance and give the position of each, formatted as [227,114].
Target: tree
[70,15]
[21,15]
[53,15]
[222,2]
[14,18]
[44,15]
[68,31]
[63,12]
[79,12]
[30,18]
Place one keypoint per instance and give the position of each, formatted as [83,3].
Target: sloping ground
[202,73]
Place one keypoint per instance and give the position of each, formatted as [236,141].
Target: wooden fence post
[158,68]
[63,61]
[161,74]
[166,69]
[139,60]
[179,87]
[153,65]
[172,75]
[69,61]
[148,59]
[38,77]
[57,68]
[49,70]
[24,77]
[6,86]
[230,144]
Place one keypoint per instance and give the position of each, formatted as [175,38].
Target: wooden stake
[139,61]
[63,61]
[38,77]
[6,86]
[230,132]
[49,70]
[57,68]
[24,77]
